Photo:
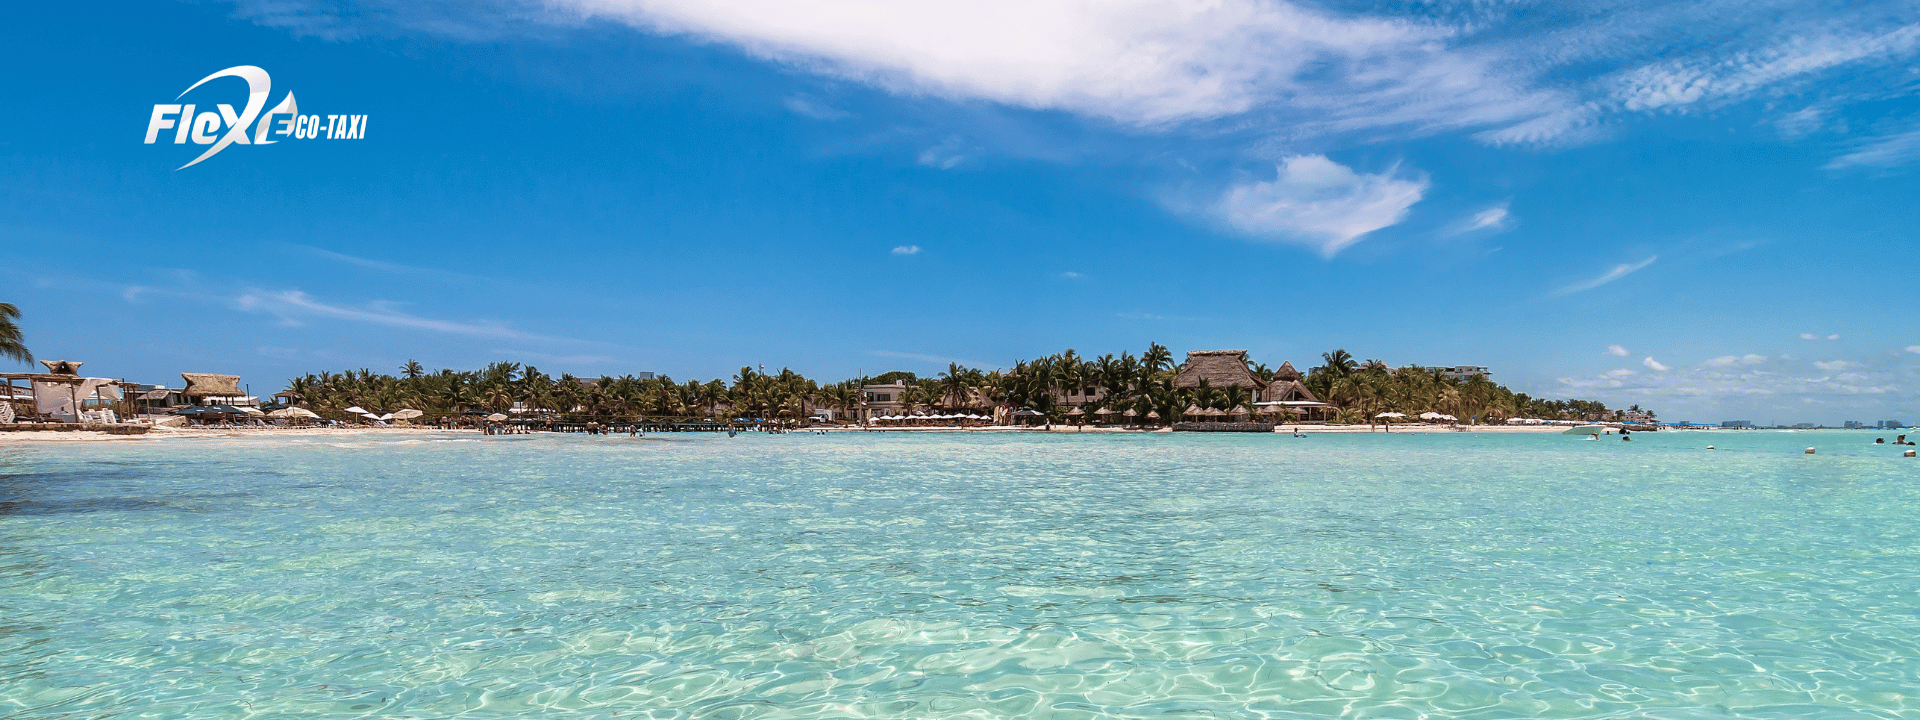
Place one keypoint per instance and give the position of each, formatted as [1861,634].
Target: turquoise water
[895,575]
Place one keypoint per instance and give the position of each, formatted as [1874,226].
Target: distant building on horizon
[1465,372]
[1736,423]
[1892,424]
[1855,425]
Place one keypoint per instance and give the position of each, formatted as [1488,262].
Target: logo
[221,126]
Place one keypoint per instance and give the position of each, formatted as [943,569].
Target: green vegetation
[1050,385]
[12,343]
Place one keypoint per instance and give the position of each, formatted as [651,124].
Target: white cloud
[1617,351]
[1070,275]
[907,250]
[1495,218]
[1915,349]
[1654,364]
[1513,72]
[291,306]
[1618,373]
[1142,62]
[1732,360]
[1321,203]
[1684,82]
[1817,336]
[1618,271]
[1832,365]
[1881,152]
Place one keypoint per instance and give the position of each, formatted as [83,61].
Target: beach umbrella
[407,414]
[1075,411]
[1153,414]
[388,416]
[1131,413]
[357,410]
[252,411]
[292,412]
[1105,411]
[1239,410]
[496,417]
[1391,415]
[1194,410]
[1430,415]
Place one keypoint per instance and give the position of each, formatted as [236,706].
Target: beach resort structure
[1465,372]
[60,395]
[882,399]
[1284,397]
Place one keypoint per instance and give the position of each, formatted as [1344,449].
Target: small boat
[1594,430]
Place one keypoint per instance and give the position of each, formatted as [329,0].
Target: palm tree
[413,370]
[11,342]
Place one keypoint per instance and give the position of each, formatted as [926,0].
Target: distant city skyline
[1702,210]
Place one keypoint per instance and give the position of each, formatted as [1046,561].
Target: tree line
[1050,385]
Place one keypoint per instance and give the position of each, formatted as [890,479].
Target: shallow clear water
[896,575]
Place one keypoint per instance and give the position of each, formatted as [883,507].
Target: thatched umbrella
[1132,413]
[1194,411]
[1106,411]
[292,412]
[1075,411]
[1153,414]
[408,414]
[1215,412]
[1239,411]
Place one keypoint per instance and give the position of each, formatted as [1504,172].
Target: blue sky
[1703,207]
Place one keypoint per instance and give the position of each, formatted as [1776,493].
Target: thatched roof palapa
[211,385]
[1287,372]
[62,367]
[1220,368]
[1287,390]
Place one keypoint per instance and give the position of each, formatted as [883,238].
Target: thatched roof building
[211,385]
[1228,368]
[1220,368]
[62,367]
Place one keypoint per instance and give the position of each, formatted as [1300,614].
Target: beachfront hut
[1193,411]
[1239,411]
[204,386]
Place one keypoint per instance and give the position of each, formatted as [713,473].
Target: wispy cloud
[1495,218]
[1732,360]
[382,265]
[1070,275]
[1617,351]
[1817,336]
[1320,203]
[294,306]
[1654,364]
[1915,349]
[1832,365]
[907,250]
[1688,81]
[808,107]
[1618,271]
[1881,152]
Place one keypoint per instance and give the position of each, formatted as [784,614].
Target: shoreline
[17,439]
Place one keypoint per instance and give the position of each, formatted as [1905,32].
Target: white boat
[1586,430]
